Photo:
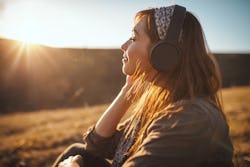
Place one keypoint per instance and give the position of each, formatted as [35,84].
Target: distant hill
[45,77]
[235,69]
[35,139]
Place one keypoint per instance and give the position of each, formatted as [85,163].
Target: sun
[27,34]
[26,27]
[27,41]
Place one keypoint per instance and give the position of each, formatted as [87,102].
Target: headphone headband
[165,54]
[176,24]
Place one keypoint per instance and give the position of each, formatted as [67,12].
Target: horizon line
[112,47]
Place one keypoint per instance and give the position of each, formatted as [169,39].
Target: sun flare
[26,27]
[27,34]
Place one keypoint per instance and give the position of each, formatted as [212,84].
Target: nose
[125,46]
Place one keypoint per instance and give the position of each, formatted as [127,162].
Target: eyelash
[132,38]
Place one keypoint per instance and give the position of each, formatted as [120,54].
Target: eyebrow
[136,32]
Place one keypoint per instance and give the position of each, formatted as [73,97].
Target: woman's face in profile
[136,49]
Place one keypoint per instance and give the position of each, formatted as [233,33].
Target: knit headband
[163,17]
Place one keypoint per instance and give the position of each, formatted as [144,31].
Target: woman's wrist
[104,126]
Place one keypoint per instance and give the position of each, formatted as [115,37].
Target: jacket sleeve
[103,147]
[176,141]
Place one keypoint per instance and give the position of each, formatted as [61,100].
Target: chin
[126,71]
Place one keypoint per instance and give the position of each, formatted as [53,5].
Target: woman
[177,118]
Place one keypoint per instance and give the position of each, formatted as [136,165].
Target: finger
[130,80]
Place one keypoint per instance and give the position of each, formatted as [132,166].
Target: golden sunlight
[27,33]
[29,55]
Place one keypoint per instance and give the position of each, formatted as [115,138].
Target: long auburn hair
[196,76]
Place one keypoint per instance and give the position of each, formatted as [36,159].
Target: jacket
[197,136]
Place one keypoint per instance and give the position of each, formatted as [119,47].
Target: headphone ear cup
[164,56]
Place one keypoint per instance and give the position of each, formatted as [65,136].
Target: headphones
[166,53]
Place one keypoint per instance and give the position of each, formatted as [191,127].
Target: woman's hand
[129,82]
[106,125]
[72,161]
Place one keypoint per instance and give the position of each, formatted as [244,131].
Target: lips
[124,58]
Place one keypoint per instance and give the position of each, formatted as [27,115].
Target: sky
[108,23]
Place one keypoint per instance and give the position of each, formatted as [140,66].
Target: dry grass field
[36,138]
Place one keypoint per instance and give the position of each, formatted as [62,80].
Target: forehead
[140,24]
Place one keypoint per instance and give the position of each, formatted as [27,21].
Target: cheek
[143,58]
[145,63]
[138,53]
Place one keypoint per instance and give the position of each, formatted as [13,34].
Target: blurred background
[60,67]
[67,52]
